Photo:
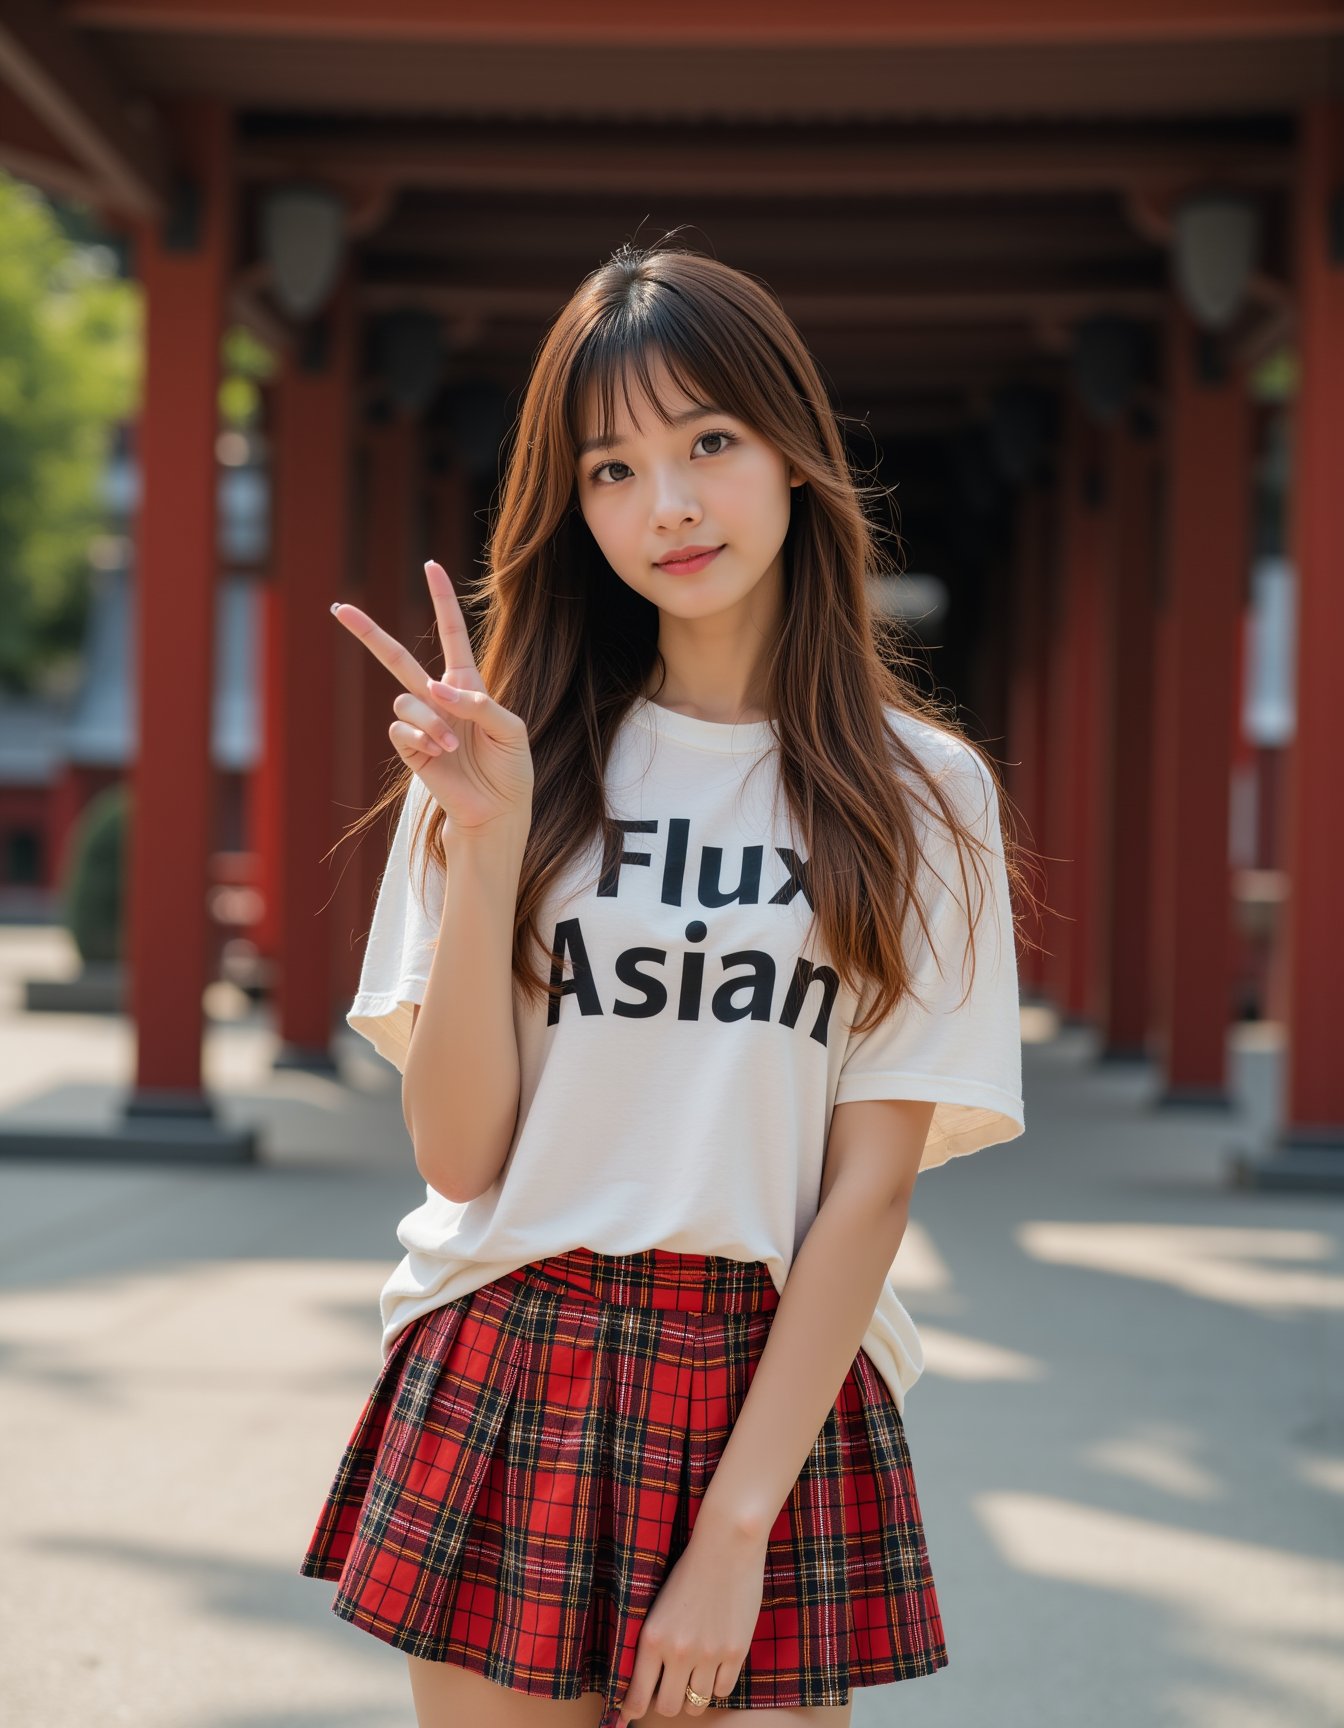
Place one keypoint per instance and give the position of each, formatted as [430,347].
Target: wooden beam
[577,161]
[33,152]
[880,23]
[541,233]
[53,72]
[509,300]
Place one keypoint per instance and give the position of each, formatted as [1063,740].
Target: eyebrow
[700,412]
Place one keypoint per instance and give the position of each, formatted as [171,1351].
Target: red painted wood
[314,465]
[176,567]
[1207,532]
[875,21]
[1315,928]
[61,80]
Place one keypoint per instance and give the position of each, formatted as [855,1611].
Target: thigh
[447,1695]
[792,1716]
[804,1716]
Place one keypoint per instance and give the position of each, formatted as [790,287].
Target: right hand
[471,754]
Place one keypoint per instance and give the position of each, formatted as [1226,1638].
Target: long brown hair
[562,642]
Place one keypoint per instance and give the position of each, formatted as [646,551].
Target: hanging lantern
[1216,236]
[303,241]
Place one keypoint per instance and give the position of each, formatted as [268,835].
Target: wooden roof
[937,193]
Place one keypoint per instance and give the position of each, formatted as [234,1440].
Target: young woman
[694,946]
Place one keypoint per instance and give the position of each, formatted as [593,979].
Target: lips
[685,555]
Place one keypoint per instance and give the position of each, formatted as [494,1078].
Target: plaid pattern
[528,1466]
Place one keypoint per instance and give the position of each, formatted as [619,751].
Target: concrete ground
[1128,1439]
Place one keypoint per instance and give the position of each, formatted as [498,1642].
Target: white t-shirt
[681,1096]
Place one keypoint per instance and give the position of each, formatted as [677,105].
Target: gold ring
[694,1697]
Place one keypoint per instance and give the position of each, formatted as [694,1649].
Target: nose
[673,504]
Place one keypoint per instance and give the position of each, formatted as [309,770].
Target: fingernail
[335,605]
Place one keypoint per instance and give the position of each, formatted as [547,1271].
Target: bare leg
[447,1695]
[794,1716]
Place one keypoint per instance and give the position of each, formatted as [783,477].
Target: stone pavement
[1128,1439]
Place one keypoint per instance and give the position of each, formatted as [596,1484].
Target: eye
[725,439]
[595,473]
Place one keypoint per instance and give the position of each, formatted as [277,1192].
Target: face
[707,482]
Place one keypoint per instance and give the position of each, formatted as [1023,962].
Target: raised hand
[472,755]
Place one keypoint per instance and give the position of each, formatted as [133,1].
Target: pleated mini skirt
[528,1466]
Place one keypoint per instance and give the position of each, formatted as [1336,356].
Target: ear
[797,477]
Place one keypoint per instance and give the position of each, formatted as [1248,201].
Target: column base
[154,1127]
[307,1058]
[1313,1167]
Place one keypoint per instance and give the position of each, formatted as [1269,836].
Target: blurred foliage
[71,354]
[1275,379]
[94,888]
[247,363]
[69,372]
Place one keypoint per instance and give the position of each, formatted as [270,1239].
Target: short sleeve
[397,955]
[957,1042]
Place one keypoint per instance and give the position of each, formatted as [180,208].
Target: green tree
[70,355]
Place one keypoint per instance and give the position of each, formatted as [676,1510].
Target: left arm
[700,1626]
[833,1287]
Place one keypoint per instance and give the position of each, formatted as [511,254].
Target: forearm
[824,1310]
[460,1088]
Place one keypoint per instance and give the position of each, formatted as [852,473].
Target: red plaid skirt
[528,1465]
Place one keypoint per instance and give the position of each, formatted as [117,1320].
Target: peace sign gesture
[471,754]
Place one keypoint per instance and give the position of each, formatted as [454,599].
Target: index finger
[456,643]
[396,656]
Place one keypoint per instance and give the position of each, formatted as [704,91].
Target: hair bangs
[618,353]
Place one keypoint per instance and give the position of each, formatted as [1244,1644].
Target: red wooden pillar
[313,466]
[1127,743]
[1028,691]
[1074,799]
[1207,528]
[184,264]
[1311,1138]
